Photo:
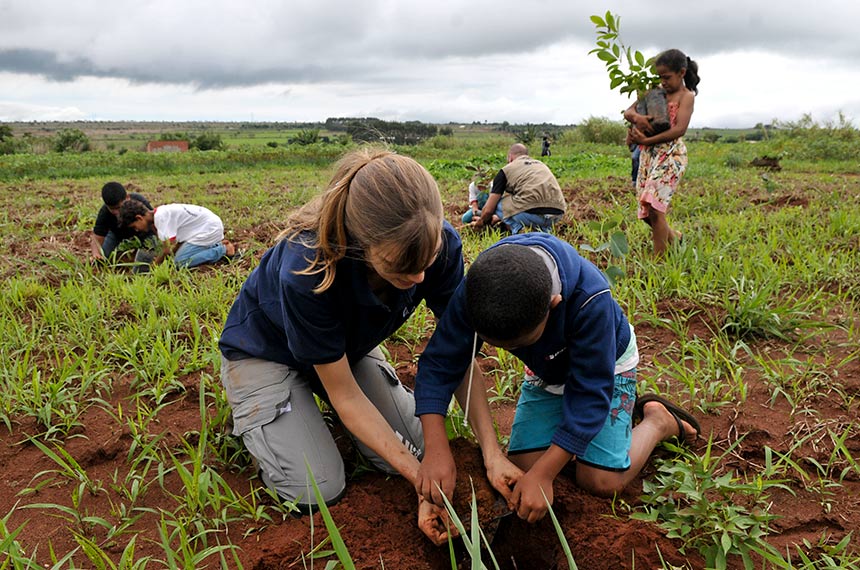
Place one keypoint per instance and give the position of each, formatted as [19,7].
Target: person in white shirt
[193,234]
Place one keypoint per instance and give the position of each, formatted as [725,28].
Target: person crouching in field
[350,268]
[533,295]
[108,233]
[193,234]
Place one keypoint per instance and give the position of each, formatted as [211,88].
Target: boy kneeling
[193,234]
[533,295]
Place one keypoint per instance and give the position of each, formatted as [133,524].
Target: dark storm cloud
[219,44]
[49,65]
[45,63]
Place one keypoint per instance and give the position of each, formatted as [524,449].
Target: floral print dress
[660,169]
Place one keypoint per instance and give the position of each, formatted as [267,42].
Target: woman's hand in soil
[433,522]
[503,475]
[528,496]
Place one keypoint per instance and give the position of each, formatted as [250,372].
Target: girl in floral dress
[663,157]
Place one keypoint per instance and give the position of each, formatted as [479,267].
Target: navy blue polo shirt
[277,316]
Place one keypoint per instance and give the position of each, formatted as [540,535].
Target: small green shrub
[603,130]
[208,141]
[71,140]
[734,160]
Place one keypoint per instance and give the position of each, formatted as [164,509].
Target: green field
[754,319]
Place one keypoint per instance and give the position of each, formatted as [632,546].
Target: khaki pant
[275,413]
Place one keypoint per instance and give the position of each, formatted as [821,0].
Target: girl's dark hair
[676,60]
[130,210]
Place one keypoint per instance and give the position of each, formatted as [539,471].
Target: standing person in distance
[544,149]
[663,157]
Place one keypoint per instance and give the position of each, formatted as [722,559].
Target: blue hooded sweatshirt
[584,336]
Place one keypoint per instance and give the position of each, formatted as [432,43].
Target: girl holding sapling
[348,271]
[663,157]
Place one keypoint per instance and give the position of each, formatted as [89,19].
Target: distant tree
[177,136]
[526,135]
[603,130]
[71,140]
[5,132]
[446,132]
[375,130]
[208,141]
[307,136]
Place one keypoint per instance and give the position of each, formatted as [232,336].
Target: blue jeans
[518,222]
[191,255]
[634,159]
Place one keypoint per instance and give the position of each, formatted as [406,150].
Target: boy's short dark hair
[130,210]
[508,292]
[113,193]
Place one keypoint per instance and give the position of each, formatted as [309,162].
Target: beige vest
[531,184]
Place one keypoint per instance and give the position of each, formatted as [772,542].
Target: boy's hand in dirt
[503,475]
[528,500]
[433,522]
[436,471]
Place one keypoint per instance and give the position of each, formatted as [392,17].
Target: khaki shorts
[275,413]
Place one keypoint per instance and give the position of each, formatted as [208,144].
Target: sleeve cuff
[431,406]
[572,443]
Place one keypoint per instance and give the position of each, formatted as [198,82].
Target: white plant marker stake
[471,375]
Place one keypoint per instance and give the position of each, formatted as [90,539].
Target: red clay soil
[377,515]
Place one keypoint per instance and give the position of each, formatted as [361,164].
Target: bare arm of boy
[501,473]
[437,473]
[163,251]
[96,243]
[528,496]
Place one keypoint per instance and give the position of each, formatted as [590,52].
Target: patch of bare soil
[377,515]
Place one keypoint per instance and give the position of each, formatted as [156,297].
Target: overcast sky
[432,60]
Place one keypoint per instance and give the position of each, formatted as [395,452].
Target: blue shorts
[539,413]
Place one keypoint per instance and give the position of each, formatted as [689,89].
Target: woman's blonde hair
[376,197]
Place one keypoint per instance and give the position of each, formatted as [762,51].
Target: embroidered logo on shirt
[554,354]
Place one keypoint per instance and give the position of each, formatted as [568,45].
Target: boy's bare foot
[671,420]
